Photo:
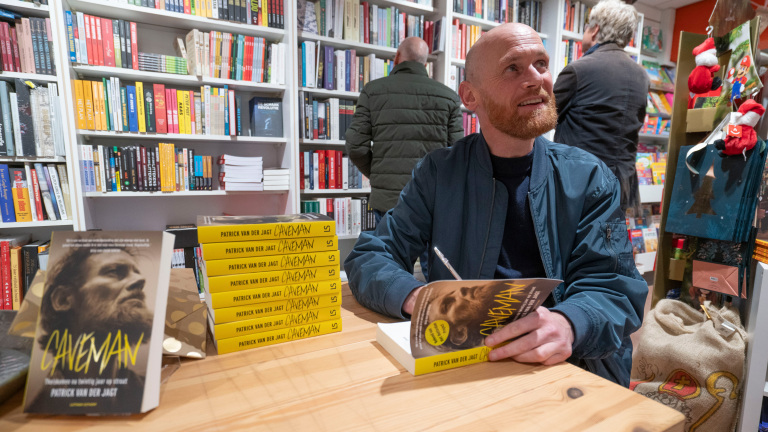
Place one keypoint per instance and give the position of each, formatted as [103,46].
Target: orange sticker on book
[734,130]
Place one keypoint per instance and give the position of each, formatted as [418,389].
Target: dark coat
[455,204]
[601,100]
[406,115]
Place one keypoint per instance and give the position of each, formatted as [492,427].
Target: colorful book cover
[21,203]
[133,119]
[6,198]
[437,338]
[119,333]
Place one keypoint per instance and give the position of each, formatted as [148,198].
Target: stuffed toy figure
[741,135]
[702,78]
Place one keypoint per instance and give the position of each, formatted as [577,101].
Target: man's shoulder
[564,154]
[409,84]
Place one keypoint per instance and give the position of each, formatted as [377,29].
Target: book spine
[223,233]
[6,198]
[267,279]
[270,323]
[57,193]
[16,288]
[30,264]
[20,192]
[219,251]
[45,191]
[5,274]
[239,313]
[36,203]
[277,336]
[276,293]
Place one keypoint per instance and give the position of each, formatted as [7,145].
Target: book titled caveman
[98,343]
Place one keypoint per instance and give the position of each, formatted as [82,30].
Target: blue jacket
[453,202]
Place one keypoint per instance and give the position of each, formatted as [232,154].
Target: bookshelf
[41,229]
[157,31]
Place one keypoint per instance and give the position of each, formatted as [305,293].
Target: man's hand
[410,301]
[543,337]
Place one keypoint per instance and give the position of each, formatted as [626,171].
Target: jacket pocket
[617,244]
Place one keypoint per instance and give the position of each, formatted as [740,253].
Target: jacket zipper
[610,247]
[488,233]
[538,239]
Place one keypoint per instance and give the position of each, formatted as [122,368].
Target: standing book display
[99,336]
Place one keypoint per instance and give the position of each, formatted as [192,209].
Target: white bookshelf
[331,93]
[330,192]
[43,229]
[157,31]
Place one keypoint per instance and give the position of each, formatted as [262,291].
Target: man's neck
[503,145]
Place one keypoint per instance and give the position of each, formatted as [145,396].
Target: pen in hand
[447,264]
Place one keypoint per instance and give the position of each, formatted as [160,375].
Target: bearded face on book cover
[95,325]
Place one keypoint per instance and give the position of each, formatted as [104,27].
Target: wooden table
[346,381]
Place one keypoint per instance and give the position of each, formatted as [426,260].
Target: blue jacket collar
[539,169]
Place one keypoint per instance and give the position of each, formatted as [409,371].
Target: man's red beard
[522,126]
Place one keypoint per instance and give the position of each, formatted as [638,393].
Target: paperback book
[98,343]
[451,319]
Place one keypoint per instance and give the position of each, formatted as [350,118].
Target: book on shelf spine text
[277,336]
[35,200]
[6,198]
[251,311]
[274,322]
[21,203]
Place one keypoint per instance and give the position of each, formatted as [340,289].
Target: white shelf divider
[757,353]
[179,137]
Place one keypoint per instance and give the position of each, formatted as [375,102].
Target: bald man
[406,115]
[508,203]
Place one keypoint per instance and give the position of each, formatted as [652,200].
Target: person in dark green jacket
[398,120]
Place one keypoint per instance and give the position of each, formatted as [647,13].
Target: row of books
[470,122]
[572,51]
[26,44]
[109,106]
[576,15]
[267,13]
[661,77]
[149,62]
[455,77]
[20,259]
[163,168]
[499,11]
[363,22]
[644,240]
[329,169]
[31,122]
[352,215]
[34,192]
[651,168]
[338,69]
[269,279]
[98,41]
[654,125]
[660,102]
[463,37]
[649,216]
[218,54]
[529,13]
[326,119]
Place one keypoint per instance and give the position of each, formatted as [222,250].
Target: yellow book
[188,113]
[216,251]
[265,11]
[247,281]
[96,106]
[239,313]
[80,105]
[225,346]
[88,98]
[264,324]
[140,106]
[16,289]
[97,165]
[395,338]
[270,262]
[103,103]
[217,55]
[183,119]
[215,229]
[261,295]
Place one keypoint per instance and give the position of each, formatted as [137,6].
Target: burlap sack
[692,364]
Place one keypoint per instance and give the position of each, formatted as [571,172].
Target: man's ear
[62,298]
[468,95]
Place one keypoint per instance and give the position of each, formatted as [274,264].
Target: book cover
[20,192]
[161,120]
[56,191]
[451,319]
[17,291]
[7,242]
[64,181]
[118,333]
[133,119]
[266,117]
[7,128]
[214,229]
[43,180]
[35,200]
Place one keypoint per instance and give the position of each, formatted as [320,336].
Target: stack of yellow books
[761,251]
[269,279]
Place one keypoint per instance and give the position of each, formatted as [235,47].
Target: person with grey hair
[601,97]
[398,120]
